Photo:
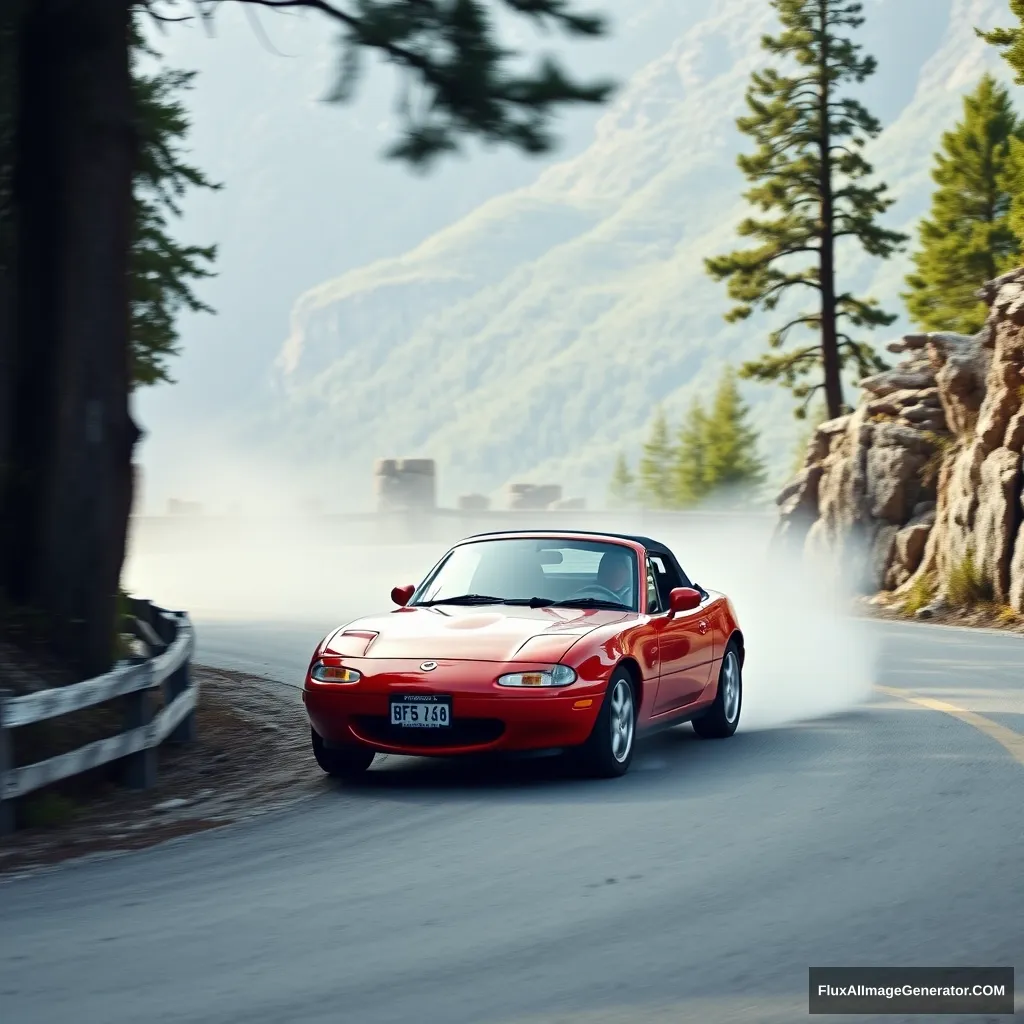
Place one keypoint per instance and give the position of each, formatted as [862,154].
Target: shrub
[920,594]
[965,586]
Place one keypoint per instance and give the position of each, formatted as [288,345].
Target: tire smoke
[807,656]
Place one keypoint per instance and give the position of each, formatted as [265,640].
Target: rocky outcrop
[925,476]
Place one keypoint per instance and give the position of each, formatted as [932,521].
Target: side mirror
[401,595]
[683,599]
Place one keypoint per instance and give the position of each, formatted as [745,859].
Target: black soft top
[653,547]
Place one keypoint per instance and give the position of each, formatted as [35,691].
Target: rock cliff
[919,490]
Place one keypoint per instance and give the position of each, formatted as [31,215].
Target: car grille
[465,732]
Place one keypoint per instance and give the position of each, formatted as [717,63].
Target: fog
[806,655]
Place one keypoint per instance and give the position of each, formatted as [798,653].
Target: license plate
[419,712]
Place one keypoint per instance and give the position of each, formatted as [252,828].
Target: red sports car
[528,641]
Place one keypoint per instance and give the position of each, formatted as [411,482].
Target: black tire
[341,762]
[602,756]
[720,720]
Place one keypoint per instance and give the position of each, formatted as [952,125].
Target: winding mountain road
[699,888]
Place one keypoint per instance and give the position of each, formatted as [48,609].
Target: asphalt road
[700,887]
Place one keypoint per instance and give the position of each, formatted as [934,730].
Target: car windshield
[538,572]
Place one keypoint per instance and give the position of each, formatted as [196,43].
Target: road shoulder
[251,755]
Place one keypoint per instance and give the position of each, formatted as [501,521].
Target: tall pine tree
[810,171]
[655,468]
[968,238]
[731,461]
[689,471]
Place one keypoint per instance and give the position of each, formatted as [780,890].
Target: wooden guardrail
[169,639]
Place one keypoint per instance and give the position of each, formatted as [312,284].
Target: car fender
[595,656]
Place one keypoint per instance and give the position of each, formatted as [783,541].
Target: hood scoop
[352,643]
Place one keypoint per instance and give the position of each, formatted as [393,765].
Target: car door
[685,644]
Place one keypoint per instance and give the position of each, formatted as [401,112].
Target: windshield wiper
[589,602]
[465,599]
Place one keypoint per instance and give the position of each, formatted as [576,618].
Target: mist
[266,564]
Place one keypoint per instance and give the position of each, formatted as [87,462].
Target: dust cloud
[807,657]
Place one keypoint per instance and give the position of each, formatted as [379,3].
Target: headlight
[559,675]
[334,674]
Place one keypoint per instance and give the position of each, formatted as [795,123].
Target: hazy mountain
[308,196]
[532,336]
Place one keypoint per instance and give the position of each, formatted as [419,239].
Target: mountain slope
[533,337]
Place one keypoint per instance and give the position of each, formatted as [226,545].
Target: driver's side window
[654,605]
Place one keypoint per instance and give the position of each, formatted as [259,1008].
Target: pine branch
[450,52]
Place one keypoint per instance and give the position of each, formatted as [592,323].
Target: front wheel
[721,719]
[609,751]
[346,762]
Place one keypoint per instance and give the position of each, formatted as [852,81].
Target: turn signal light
[583,703]
[557,675]
[334,674]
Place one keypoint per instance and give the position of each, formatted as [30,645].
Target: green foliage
[655,469]
[1010,40]
[809,170]
[730,442]
[714,453]
[47,810]
[920,593]
[162,269]
[1007,616]
[965,585]
[690,463]
[621,489]
[968,239]
[456,78]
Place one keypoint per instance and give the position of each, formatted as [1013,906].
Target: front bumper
[485,717]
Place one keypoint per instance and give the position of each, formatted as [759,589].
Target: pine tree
[968,239]
[731,461]
[655,468]
[162,269]
[621,487]
[809,169]
[689,483]
[1010,41]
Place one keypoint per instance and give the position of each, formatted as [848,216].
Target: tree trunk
[9,17]
[65,512]
[830,360]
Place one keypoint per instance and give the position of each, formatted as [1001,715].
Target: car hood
[452,633]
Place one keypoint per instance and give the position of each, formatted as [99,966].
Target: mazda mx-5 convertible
[530,641]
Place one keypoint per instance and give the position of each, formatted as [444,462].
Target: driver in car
[616,574]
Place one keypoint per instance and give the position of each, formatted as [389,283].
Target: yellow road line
[1012,741]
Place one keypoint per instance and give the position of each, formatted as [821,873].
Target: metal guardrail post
[139,768]
[6,764]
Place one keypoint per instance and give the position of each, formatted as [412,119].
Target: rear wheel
[346,762]
[609,751]
[721,719]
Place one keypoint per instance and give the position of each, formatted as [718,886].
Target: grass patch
[48,810]
[920,594]
[965,585]
[1007,616]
